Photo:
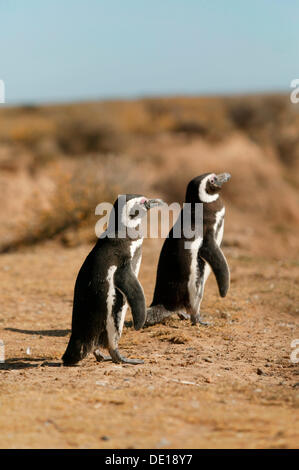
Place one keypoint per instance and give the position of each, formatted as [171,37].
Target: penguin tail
[75,351]
[156,314]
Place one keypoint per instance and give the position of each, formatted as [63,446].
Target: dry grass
[77,188]
[66,159]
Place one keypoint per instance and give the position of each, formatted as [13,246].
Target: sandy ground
[230,384]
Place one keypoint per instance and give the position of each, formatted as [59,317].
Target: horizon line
[141,96]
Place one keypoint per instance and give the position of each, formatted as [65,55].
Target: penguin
[107,283]
[184,268]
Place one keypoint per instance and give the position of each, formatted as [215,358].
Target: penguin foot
[118,358]
[100,357]
[183,316]
[126,360]
[196,319]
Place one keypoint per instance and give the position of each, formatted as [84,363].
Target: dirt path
[230,384]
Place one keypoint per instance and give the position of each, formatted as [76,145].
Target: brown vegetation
[58,162]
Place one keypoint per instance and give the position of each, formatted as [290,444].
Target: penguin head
[206,187]
[129,209]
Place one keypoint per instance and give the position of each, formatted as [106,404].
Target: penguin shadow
[57,333]
[16,363]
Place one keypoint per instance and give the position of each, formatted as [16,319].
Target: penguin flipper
[126,281]
[213,255]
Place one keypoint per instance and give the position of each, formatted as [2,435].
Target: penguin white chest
[196,285]
[114,328]
[110,324]
[135,245]
[192,281]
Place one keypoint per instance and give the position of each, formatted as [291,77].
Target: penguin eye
[132,216]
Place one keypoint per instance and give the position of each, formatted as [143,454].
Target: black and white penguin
[182,272]
[107,282]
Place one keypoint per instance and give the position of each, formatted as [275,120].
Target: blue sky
[64,50]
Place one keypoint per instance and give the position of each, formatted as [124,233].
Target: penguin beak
[150,203]
[221,178]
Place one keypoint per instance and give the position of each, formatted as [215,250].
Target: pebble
[207,359]
[195,404]
[225,315]
[101,383]
[163,442]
